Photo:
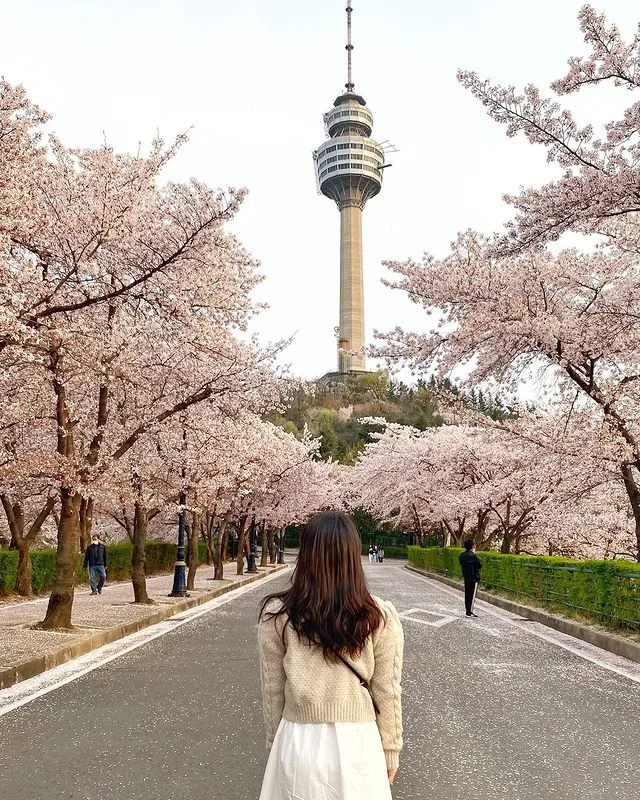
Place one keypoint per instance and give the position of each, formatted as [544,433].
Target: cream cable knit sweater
[299,685]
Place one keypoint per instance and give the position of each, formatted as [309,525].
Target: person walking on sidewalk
[471,566]
[95,557]
[330,669]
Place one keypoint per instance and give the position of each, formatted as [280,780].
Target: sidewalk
[99,619]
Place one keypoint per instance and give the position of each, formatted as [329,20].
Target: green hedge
[159,557]
[8,570]
[605,591]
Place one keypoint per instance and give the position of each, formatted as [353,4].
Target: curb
[35,666]
[603,639]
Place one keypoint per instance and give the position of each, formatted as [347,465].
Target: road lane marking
[601,658]
[25,691]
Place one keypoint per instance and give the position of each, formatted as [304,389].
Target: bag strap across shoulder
[362,681]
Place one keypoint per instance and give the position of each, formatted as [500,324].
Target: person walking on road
[330,669]
[381,554]
[471,566]
[95,557]
[371,554]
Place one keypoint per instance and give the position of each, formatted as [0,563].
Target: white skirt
[326,761]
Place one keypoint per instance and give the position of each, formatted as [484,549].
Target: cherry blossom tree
[601,174]
[503,489]
[125,297]
[504,307]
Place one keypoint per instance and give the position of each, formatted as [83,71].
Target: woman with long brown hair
[330,668]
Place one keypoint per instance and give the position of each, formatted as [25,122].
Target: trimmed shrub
[605,591]
[202,552]
[159,557]
[43,564]
[8,570]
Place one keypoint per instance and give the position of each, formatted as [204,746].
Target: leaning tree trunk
[23,579]
[138,575]
[194,535]
[264,557]
[61,600]
[633,493]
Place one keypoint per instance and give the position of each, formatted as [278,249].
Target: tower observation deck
[349,171]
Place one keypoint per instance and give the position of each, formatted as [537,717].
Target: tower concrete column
[349,168]
[351,332]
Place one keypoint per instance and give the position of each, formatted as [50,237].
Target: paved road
[492,711]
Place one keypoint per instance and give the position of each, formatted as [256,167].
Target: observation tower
[349,169]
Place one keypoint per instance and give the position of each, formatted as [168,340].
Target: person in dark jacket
[471,567]
[95,557]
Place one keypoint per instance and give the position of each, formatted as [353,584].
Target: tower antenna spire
[349,85]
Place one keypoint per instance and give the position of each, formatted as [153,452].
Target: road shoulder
[99,621]
[606,640]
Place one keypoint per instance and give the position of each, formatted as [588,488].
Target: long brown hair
[328,602]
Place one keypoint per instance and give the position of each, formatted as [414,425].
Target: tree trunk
[208,530]
[194,535]
[271,542]
[633,493]
[446,535]
[507,541]
[419,535]
[138,576]
[517,543]
[86,522]
[61,600]
[242,535]
[264,544]
[22,541]
[23,579]
[224,545]
[218,563]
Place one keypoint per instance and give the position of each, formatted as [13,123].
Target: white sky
[253,77]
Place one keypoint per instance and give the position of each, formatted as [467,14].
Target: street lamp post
[253,547]
[281,547]
[180,567]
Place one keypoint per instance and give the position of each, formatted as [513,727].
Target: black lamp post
[180,567]
[281,547]
[253,547]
